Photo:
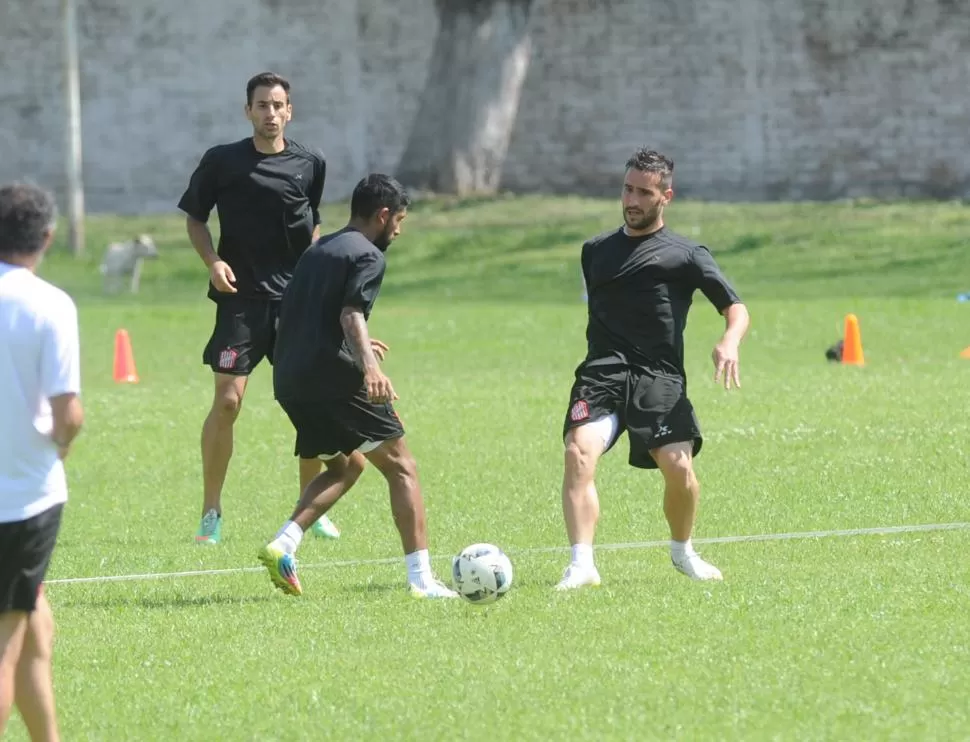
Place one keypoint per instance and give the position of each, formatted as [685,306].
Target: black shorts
[652,408]
[25,551]
[244,334]
[325,428]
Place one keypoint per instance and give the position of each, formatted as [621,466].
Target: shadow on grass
[161,601]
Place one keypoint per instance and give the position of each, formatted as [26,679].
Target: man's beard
[383,240]
[640,220]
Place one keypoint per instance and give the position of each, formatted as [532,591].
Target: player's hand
[62,450]
[380,348]
[725,357]
[222,277]
[379,389]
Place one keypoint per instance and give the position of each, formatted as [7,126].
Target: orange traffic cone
[124,359]
[852,342]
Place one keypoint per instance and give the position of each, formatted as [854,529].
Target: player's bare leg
[35,686]
[318,497]
[13,628]
[580,503]
[217,444]
[681,497]
[309,469]
[394,460]
[328,486]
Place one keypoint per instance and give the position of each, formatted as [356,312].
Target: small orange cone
[965,353]
[125,372]
[852,343]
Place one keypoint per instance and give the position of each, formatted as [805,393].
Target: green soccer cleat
[324,528]
[210,529]
[282,569]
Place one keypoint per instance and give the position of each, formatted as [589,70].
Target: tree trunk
[461,133]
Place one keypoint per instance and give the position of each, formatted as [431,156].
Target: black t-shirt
[311,358]
[268,206]
[639,292]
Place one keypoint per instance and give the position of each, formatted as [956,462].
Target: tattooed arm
[354,325]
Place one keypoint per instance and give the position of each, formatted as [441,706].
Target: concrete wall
[754,99]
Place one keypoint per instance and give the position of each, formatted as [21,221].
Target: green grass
[808,639]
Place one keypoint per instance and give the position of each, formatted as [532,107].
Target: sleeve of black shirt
[364,281]
[582,263]
[707,276]
[316,187]
[200,197]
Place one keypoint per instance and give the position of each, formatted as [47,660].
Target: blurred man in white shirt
[41,415]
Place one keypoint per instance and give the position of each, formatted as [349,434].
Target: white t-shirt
[39,359]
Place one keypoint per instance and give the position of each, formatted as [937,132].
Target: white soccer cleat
[576,577]
[696,568]
[431,588]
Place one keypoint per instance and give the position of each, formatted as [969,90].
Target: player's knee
[39,640]
[579,458]
[354,467]
[677,469]
[227,404]
[404,468]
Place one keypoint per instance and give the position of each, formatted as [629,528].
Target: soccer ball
[482,573]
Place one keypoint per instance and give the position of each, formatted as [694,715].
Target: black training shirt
[639,291]
[268,206]
[312,359]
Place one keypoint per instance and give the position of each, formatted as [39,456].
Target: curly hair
[651,161]
[28,214]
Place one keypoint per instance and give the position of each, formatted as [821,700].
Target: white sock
[419,565]
[680,550]
[583,555]
[288,538]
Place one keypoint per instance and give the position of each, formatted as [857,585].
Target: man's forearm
[736,322]
[201,239]
[355,330]
[68,417]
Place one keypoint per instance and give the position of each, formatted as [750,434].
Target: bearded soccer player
[640,280]
[329,381]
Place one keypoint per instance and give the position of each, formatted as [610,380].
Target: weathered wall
[163,81]
[752,98]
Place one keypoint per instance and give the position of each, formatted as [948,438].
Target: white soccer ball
[482,573]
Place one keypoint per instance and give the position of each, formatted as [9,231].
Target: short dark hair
[266,80]
[375,192]
[27,214]
[651,161]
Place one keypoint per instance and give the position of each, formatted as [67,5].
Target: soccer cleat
[324,528]
[431,588]
[210,529]
[576,576]
[282,569]
[696,568]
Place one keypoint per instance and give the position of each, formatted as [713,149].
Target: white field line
[880,531]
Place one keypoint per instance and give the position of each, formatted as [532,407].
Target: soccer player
[640,280]
[327,378]
[267,190]
[41,414]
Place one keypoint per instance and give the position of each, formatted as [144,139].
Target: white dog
[122,261]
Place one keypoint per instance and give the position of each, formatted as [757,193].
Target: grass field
[812,638]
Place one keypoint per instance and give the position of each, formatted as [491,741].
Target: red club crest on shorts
[579,411]
[227,358]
